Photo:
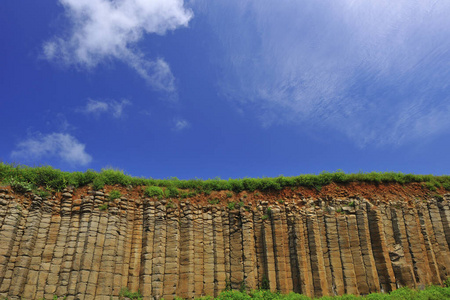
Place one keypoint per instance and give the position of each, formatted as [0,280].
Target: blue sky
[225,88]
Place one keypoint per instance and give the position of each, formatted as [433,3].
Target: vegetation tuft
[42,194]
[125,293]
[26,179]
[172,192]
[114,194]
[214,201]
[153,191]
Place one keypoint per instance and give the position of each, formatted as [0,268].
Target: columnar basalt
[84,245]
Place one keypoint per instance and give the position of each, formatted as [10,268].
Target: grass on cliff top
[430,293]
[45,177]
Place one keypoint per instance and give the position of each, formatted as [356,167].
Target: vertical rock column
[337,275]
[107,265]
[346,257]
[219,253]
[128,206]
[3,205]
[259,244]
[69,250]
[444,211]
[79,208]
[435,257]
[26,246]
[187,271]
[31,286]
[8,235]
[226,245]
[402,270]
[441,242]
[355,248]
[121,278]
[171,272]
[269,256]
[86,243]
[94,247]
[47,255]
[366,252]
[407,276]
[236,253]
[325,250]
[53,279]
[380,252]
[199,267]
[283,273]
[293,252]
[286,237]
[248,243]
[6,284]
[208,254]
[316,257]
[148,232]
[417,248]
[101,260]
[159,250]
[85,252]
[303,257]
[136,247]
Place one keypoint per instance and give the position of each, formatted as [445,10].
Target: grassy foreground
[430,293]
[47,178]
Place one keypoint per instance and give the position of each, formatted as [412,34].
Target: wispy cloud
[102,30]
[180,124]
[377,71]
[62,146]
[112,107]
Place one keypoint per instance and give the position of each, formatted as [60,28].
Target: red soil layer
[383,192]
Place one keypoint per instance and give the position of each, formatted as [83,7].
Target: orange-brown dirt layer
[383,192]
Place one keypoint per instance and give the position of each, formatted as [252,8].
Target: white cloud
[102,30]
[376,71]
[96,107]
[60,145]
[180,124]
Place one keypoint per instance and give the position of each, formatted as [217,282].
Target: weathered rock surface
[166,249]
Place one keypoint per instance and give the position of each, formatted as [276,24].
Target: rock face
[75,247]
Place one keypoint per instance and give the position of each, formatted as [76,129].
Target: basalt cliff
[352,238]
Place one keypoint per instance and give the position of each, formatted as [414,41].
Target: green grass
[25,179]
[114,194]
[125,293]
[231,205]
[41,193]
[172,192]
[214,201]
[430,293]
[153,191]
